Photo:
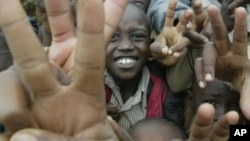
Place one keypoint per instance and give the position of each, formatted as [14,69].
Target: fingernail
[24,137]
[170,52]
[205,40]
[201,84]
[208,77]
[165,50]
[176,54]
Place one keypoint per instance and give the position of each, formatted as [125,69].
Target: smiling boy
[132,84]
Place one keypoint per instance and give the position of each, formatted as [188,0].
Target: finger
[14,113]
[158,50]
[180,53]
[220,131]
[120,132]
[184,20]
[219,30]
[113,13]
[61,76]
[209,59]
[199,72]
[90,57]
[62,28]
[169,20]
[234,4]
[195,37]
[197,7]
[245,96]
[29,57]
[179,46]
[240,32]
[40,135]
[202,123]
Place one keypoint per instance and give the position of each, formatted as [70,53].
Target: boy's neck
[128,88]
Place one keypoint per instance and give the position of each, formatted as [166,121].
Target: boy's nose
[125,45]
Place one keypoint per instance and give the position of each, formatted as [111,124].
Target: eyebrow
[214,94]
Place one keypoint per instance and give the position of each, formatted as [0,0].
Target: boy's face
[128,50]
[142,3]
[219,95]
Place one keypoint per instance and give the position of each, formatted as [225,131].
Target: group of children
[142,94]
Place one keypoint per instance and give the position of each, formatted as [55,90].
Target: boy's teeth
[126,61]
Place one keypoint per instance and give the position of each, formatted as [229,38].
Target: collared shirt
[135,108]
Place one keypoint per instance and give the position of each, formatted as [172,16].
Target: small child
[218,93]
[135,85]
[156,129]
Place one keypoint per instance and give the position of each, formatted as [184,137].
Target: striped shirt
[135,108]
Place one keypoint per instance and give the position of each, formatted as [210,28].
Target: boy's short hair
[160,124]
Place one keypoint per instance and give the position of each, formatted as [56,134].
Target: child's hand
[228,61]
[170,45]
[113,111]
[64,38]
[201,30]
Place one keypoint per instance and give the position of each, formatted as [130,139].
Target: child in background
[218,93]
[155,129]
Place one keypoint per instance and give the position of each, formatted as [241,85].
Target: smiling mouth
[126,61]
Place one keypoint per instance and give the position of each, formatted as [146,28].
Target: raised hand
[203,128]
[64,38]
[228,61]
[201,30]
[77,110]
[169,46]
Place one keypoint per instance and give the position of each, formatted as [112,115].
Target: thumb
[119,131]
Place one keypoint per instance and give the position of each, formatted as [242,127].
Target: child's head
[41,9]
[218,93]
[128,49]
[155,129]
[142,3]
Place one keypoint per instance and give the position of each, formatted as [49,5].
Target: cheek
[144,48]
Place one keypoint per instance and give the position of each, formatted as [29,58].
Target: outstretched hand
[77,110]
[64,39]
[169,46]
[203,128]
[225,60]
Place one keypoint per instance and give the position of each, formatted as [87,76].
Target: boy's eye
[138,37]
[210,102]
[115,37]
[235,106]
